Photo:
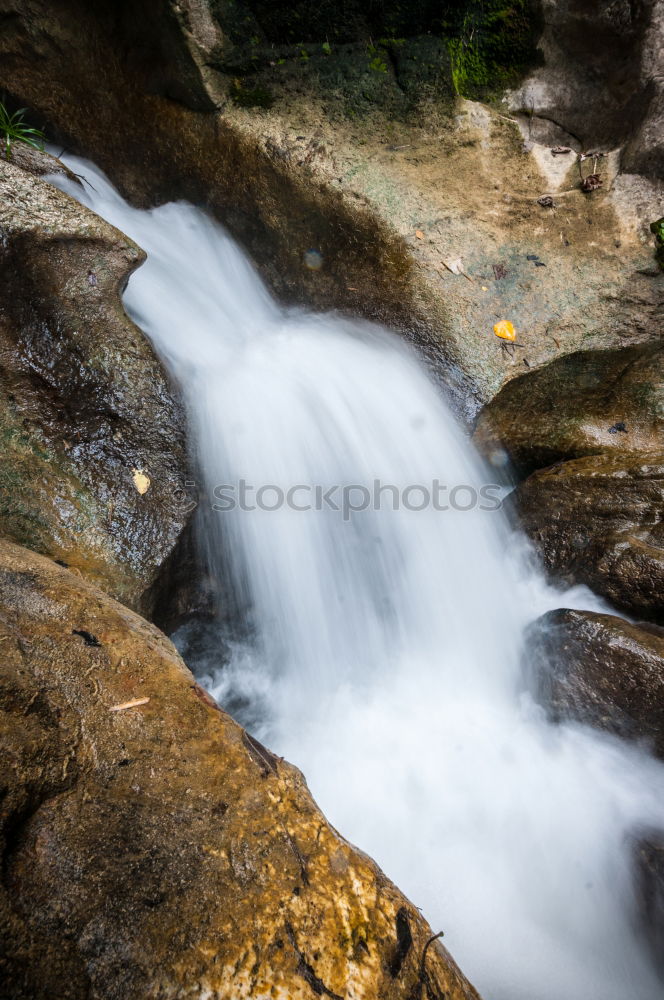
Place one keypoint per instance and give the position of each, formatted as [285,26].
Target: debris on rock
[591,183]
[88,638]
[134,703]
[141,481]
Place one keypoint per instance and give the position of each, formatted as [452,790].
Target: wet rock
[582,404]
[600,670]
[159,849]
[349,152]
[85,407]
[599,520]
[649,866]
[37,162]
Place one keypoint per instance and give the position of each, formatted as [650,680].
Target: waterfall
[383,649]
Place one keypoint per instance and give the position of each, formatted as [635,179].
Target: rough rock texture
[598,520]
[582,404]
[602,79]
[159,851]
[600,670]
[85,407]
[596,420]
[362,154]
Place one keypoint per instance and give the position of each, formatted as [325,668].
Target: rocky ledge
[151,847]
[93,436]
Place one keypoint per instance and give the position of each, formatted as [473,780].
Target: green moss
[492,45]
[402,57]
[657,228]
[257,96]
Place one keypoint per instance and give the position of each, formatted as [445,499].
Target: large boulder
[606,672]
[151,847]
[598,520]
[93,438]
[349,140]
[600,81]
[588,430]
[581,404]
[649,866]
[600,670]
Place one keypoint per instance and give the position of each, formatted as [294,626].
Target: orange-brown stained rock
[161,851]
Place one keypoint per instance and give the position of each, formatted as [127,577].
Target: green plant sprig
[14,129]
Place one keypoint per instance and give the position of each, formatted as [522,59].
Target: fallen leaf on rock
[129,704]
[558,150]
[419,234]
[141,481]
[505,330]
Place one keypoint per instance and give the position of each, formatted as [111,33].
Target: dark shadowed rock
[159,850]
[605,672]
[601,78]
[649,866]
[601,670]
[599,521]
[93,440]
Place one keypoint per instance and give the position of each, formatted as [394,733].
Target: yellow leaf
[505,330]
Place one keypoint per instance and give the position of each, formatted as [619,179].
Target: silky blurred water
[383,651]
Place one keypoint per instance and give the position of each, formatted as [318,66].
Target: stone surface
[582,404]
[599,520]
[649,865]
[602,77]
[600,670]
[334,152]
[158,850]
[86,411]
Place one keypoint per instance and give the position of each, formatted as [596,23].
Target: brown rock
[290,164]
[598,520]
[600,670]
[160,850]
[582,404]
[86,412]
[600,78]
[649,863]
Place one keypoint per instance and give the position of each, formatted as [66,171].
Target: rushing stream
[383,648]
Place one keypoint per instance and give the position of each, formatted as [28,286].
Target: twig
[423,971]
[129,704]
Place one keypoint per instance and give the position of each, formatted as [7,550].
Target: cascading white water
[385,658]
